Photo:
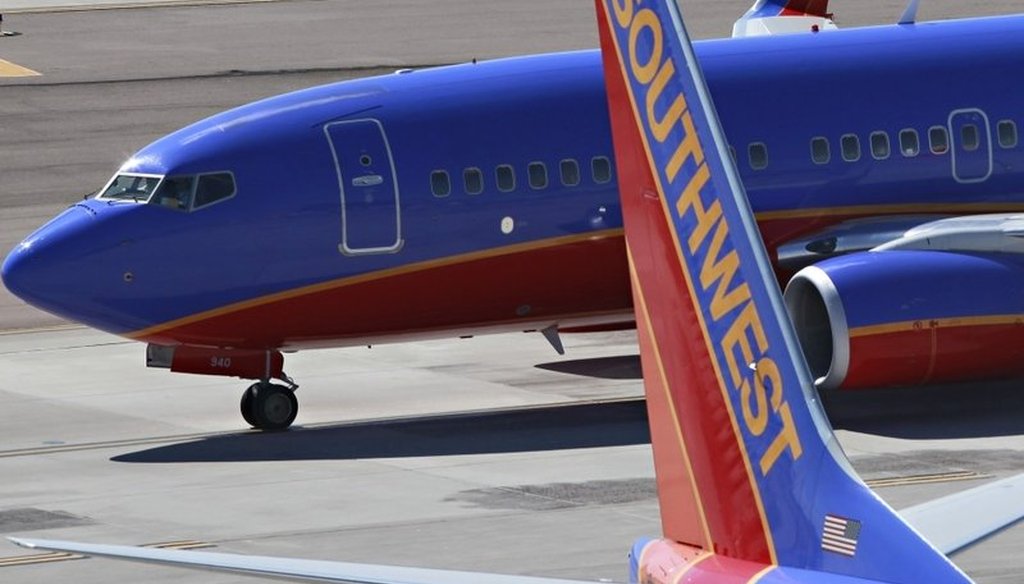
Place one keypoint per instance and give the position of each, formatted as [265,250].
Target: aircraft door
[370,210]
[970,145]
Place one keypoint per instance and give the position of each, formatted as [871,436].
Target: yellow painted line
[9,69]
[42,329]
[944,477]
[33,559]
[185,544]
[50,557]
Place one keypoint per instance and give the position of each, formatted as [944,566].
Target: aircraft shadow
[621,367]
[536,429]
[978,409]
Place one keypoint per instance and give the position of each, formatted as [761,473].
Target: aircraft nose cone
[37,269]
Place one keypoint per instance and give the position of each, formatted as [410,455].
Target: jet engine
[892,317]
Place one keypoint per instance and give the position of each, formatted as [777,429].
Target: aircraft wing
[958,520]
[285,568]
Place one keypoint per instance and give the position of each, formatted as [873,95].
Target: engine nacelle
[897,318]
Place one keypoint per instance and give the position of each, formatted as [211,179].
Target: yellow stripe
[689,566]
[936,323]
[379,275]
[755,490]
[909,208]
[757,577]
[641,305]
[9,69]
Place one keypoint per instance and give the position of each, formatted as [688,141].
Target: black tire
[274,406]
[247,405]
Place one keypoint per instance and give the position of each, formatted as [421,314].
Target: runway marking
[51,557]
[924,479]
[9,69]
[80,6]
[42,329]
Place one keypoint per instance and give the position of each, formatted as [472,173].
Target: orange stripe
[372,276]
[757,577]
[641,311]
[936,323]
[691,565]
[937,208]
[689,284]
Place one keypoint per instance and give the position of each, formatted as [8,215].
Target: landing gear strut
[268,406]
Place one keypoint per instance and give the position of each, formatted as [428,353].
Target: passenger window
[1007,131]
[938,140]
[910,146]
[505,176]
[851,147]
[969,137]
[538,174]
[440,183]
[175,192]
[212,188]
[601,168]
[758,154]
[820,151]
[473,181]
[569,169]
[880,145]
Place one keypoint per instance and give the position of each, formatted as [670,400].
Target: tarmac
[490,453]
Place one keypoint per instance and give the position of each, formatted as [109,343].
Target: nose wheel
[268,406]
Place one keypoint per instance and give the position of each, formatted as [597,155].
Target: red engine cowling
[900,318]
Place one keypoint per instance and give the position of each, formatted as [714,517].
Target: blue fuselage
[394,175]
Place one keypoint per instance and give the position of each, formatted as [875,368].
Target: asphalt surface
[95,447]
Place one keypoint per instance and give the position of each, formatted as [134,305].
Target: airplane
[482,198]
[752,484]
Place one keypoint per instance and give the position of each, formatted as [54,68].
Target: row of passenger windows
[878,143]
[569,175]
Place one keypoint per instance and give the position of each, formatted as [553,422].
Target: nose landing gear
[269,406]
[265,405]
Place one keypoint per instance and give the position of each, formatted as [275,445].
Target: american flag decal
[840,535]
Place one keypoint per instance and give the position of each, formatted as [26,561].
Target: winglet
[910,14]
[748,468]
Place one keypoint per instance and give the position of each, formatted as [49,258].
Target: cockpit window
[182,193]
[175,193]
[131,187]
[214,187]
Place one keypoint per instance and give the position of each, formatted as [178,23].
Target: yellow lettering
[690,199]
[787,439]
[623,12]
[689,147]
[661,128]
[755,418]
[737,338]
[722,271]
[645,19]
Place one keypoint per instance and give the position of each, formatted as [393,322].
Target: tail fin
[768,8]
[784,16]
[747,464]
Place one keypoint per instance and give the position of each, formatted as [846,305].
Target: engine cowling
[910,317]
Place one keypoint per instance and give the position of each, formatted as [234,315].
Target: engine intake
[899,318]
